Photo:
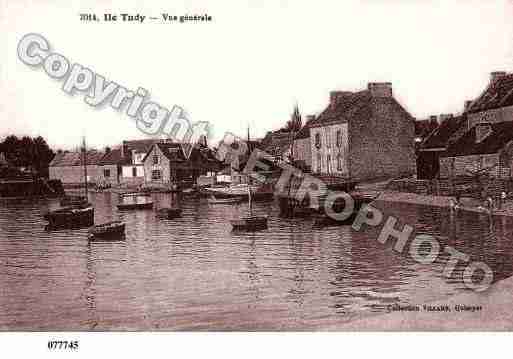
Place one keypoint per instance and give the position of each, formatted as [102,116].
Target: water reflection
[194,273]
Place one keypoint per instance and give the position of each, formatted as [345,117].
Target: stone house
[484,149]
[111,167]
[166,163]
[363,135]
[69,169]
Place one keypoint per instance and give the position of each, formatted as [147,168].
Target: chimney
[380,89]
[467,105]
[336,95]
[483,130]
[496,75]
[433,118]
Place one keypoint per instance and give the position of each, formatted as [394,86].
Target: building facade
[363,135]
[68,167]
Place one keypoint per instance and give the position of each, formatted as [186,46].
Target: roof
[140,145]
[441,135]
[68,159]
[424,128]
[502,134]
[304,132]
[354,105]
[499,93]
[172,151]
[277,143]
[114,157]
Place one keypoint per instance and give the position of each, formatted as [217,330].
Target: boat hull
[169,213]
[135,206]
[112,231]
[70,218]
[249,223]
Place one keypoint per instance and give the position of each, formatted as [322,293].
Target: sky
[252,63]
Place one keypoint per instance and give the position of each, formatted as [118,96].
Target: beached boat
[135,206]
[110,230]
[250,222]
[229,200]
[169,213]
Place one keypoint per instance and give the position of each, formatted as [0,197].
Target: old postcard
[256,166]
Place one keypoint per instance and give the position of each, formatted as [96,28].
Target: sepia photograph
[256,168]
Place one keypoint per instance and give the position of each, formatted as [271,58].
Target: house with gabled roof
[68,167]
[363,135]
[132,155]
[167,163]
[111,167]
[487,148]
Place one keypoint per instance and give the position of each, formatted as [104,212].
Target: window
[328,164]
[339,162]
[319,161]
[318,140]
[156,175]
[106,173]
[134,171]
[155,159]
[328,138]
[339,138]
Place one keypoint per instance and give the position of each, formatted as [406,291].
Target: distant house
[167,163]
[69,169]
[486,148]
[363,135]
[302,149]
[435,145]
[132,154]
[477,143]
[111,167]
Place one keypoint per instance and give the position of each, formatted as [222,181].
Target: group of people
[489,203]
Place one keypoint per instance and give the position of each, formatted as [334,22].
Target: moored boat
[169,213]
[229,200]
[70,217]
[250,222]
[135,206]
[110,230]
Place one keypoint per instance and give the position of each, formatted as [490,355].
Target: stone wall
[451,167]
[382,146]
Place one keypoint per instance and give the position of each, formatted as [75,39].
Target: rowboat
[110,230]
[229,200]
[169,213]
[135,206]
[259,193]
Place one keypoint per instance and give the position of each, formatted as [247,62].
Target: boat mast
[84,162]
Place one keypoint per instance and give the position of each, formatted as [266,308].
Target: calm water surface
[193,273]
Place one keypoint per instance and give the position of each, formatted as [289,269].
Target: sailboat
[250,222]
[78,215]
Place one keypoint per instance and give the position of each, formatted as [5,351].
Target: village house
[132,166]
[278,145]
[435,145]
[111,167]
[68,167]
[487,148]
[477,144]
[363,135]
[166,163]
[302,149]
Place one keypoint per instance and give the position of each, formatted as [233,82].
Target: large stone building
[363,135]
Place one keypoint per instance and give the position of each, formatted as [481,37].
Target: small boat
[169,213]
[229,200]
[73,201]
[135,194]
[71,217]
[110,230]
[259,193]
[251,222]
[135,206]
